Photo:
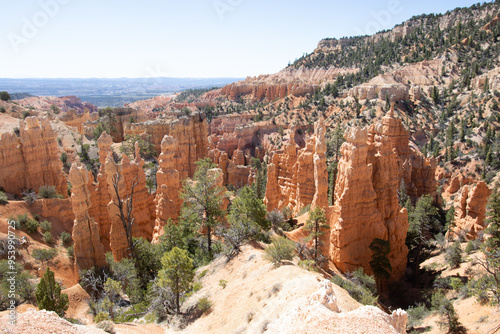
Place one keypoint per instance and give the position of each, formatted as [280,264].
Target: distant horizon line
[114,78]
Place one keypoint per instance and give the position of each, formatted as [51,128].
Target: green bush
[44,255]
[204,305]
[3,110]
[360,286]
[47,192]
[46,226]
[3,198]
[472,246]
[47,238]
[308,265]
[416,314]
[30,226]
[70,251]
[24,287]
[48,294]
[66,238]
[280,249]
[454,255]
[4,96]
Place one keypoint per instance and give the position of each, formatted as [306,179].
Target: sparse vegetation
[3,198]
[44,255]
[48,192]
[48,295]
[281,249]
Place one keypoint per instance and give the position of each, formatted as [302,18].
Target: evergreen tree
[177,274]
[380,263]
[48,294]
[315,225]
[203,200]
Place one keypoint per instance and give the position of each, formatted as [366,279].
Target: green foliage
[47,238]
[44,255]
[4,96]
[30,225]
[280,250]
[277,220]
[66,238]
[454,255]
[3,198]
[101,316]
[361,287]
[47,192]
[3,110]
[308,265]
[46,226]
[416,314]
[113,289]
[24,288]
[48,295]
[222,283]
[202,205]
[147,261]
[380,263]
[146,147]
[315,225]
[448,318]
[245,220]
[71,251]
[204,305]
[177,273]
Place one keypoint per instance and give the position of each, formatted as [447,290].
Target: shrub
[70,251]
[66,238]
[447,314]
[44,255]
[26,113]
[360,286]
[48,295]
[204,304]
[29,197]
[64,157]
[3,110]
[281,249]
[24,287]
[3,198]
[46,226]
[30,226]
[47,238]
[223,283]
[47,192]
[454,255]
[416,314]
[308,265]
[4,96]
[472,246]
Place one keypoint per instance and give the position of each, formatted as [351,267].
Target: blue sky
[182,38]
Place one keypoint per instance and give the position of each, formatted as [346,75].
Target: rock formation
[298,177]
[88,249]
[167,200]
[416,170]
[31,159]
[124,176]
[366,203]
[190,132]
[470,210]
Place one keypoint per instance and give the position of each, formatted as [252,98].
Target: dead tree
[126,204]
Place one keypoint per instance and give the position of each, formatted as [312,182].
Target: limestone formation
[31,159]
[190,132]
[470,210]
[168,202]
[298,177]
[88,249]
[366,203]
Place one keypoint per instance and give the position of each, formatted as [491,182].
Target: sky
[183,38]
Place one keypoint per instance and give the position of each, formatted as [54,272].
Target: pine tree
[380,263]
[177,274]
[315,226]
[48,294]
[203,200]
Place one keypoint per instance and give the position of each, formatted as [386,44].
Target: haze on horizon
[197,38]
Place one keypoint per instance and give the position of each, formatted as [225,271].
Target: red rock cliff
[32,159]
